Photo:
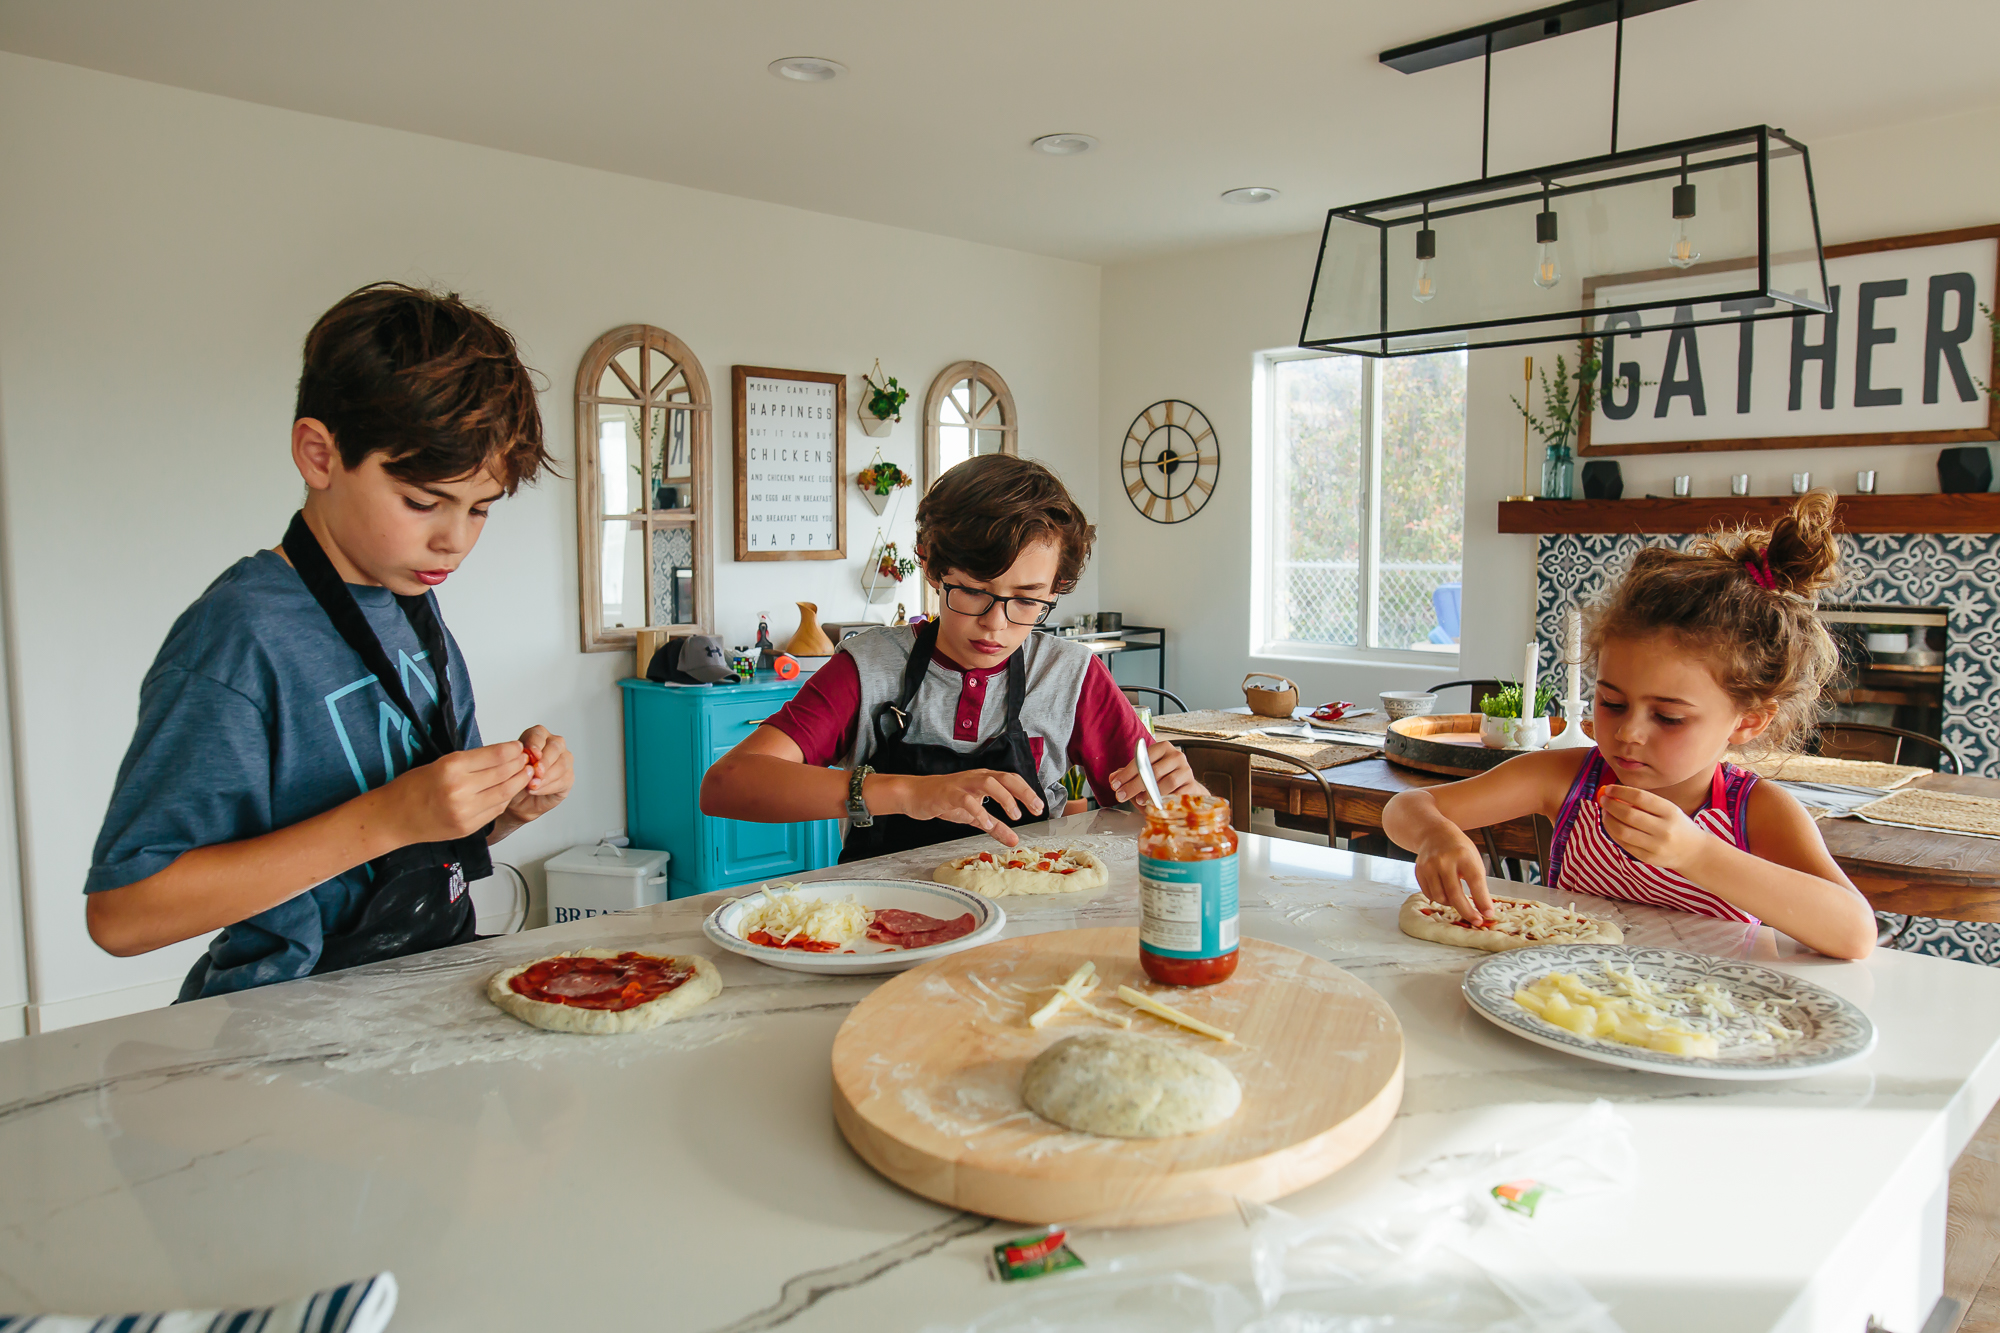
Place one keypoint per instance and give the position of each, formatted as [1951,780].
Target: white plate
[1835,1031]
[869,958]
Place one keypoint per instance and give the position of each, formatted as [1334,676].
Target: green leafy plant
[1506,701]
[882,478]
[892,565]
[1568,398]
[885,398]
[1073,782]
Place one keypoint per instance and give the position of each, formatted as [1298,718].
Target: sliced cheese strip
[1152,1006]
[1064,994]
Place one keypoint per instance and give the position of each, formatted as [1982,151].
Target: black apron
[416,897]
[1008,753]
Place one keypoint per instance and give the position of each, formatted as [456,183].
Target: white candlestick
[1573,655]
[1528,671]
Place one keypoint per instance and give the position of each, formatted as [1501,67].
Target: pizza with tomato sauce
[1516,924]
[1024,870]
[604,991]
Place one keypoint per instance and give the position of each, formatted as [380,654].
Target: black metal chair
[1166,696]
[1225,768]
[1841,740]
[1479,689]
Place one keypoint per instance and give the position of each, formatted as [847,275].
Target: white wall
[1190,326]
[162,254]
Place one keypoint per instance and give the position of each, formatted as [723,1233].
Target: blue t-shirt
[257,715]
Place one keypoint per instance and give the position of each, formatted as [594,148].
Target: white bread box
[590,881]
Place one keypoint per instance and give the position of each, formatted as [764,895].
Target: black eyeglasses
[977,602]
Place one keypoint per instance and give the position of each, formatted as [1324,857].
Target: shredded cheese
[1523,917]
[1565,1001]
[788,915]
[1152,1006]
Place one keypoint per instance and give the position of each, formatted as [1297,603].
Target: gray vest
[1055,669]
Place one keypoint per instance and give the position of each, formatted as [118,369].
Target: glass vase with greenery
[1568,398]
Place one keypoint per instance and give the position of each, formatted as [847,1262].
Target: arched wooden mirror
[968,411]
[642,488]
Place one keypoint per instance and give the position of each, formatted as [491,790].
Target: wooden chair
[1224,768]
[1865,740]
[1166,696]
[1480,690]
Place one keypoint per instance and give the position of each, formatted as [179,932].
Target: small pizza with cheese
[1516,924]
[1024,870]
[604,991]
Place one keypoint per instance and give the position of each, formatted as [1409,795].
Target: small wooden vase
[811,640]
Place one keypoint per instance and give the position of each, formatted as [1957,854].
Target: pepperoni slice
[623,982]
[914,930]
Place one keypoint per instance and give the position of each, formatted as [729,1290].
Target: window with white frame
[1365,526]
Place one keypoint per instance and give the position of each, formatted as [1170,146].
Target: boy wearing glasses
[970,719]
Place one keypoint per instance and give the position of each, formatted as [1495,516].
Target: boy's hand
[458,794]
[552,773]
[1450,871]
[1651,827]
[1170,768]
[961,798]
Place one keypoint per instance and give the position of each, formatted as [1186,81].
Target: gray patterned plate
[1830,1031]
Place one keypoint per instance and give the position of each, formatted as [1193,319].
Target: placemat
[1837,772]
[1213,722]
[1943,811]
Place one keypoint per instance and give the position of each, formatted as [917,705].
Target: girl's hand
[1651,827]
[1451,871]
[552,773]
[1170,769]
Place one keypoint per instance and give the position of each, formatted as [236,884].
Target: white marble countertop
[248,1148]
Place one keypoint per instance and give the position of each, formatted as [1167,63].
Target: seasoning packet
[1033,1256]
[1520,1196]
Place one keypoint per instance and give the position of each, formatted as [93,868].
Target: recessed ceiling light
[1250,194]
[1064,145]
[807,69]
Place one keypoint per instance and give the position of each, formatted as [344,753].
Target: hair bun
[1799,551]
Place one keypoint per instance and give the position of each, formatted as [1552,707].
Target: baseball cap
[692,659]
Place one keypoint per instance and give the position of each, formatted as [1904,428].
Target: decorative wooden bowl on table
[1449,743]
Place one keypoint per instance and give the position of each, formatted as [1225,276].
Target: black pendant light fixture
[1569,251]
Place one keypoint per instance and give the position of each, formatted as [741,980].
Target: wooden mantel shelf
[1977,512]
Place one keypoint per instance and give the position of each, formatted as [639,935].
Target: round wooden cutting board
[927,1082]
[1447,743]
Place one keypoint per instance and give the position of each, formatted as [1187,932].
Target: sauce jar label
[1188,908]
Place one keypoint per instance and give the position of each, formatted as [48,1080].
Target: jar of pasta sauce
[1187,891]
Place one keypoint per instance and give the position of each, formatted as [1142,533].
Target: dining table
[250,1147]
[1904,871]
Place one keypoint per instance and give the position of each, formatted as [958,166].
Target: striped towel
[361,1306]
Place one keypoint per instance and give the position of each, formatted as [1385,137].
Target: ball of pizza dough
[1129,1087]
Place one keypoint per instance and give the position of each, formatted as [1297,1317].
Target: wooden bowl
[1449,743]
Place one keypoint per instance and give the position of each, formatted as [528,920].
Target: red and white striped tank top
[1584,859]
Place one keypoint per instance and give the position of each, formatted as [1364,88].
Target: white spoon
[1147,776]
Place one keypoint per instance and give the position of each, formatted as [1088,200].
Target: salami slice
[914,930]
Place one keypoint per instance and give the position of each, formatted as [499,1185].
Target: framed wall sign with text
[1903,359]
[791,454]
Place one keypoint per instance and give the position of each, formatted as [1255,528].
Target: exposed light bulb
[1424,287]
[1548,269]
[1680,250]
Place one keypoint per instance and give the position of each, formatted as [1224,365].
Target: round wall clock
[1171,461]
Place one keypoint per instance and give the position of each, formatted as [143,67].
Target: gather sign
[1904,357]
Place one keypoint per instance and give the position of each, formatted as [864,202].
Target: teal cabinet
[672,734]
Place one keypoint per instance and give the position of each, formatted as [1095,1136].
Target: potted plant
[879,480]
[881,402]
[1503,727]
[890,569]
[1568,398]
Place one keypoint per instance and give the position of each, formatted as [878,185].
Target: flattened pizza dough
[1129,1087]
[704,985]
[1517,924]
[1024,870]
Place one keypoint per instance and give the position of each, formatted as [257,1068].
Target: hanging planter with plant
[880,480]
[882,403]
[884,576]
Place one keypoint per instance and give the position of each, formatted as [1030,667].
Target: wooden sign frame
[739,383]
[1991,431]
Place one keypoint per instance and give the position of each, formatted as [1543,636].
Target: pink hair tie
[1759,569]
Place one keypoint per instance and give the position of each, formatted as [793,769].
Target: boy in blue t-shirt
[306,775]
